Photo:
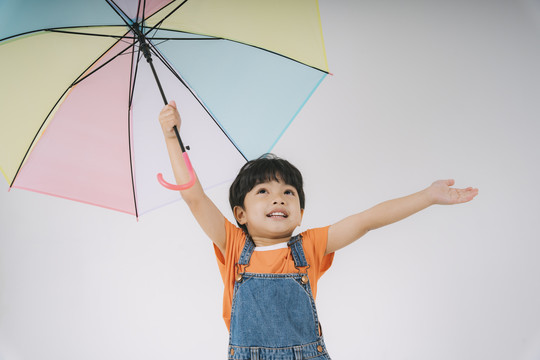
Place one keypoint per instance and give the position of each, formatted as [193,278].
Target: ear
[301,216]
[240,215]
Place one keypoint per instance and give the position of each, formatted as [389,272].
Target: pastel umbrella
[79,103]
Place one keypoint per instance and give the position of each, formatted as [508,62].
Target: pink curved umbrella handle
[192,177]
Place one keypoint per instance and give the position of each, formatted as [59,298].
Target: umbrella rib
[139,9]
[119,11]
[120,37]
[131,89]
[210,37]
[66,31]
[246,44]
[173,71]
[139,16]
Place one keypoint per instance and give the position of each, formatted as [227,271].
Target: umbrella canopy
[79,103]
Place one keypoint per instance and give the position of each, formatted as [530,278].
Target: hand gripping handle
[192,177]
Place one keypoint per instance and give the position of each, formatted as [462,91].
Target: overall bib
[273,316]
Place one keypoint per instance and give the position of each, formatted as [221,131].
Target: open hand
[168,118]
[441,193]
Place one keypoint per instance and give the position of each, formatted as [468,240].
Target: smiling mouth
[277,214]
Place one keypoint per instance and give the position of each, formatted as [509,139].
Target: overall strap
[297,251]
[245,256]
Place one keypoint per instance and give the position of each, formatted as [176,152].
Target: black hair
[268,167]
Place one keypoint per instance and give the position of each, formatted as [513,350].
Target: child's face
[271,210]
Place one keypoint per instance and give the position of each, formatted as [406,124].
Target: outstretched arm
[207,214]
[353,227]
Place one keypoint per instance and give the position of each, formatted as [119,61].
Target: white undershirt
[271,247]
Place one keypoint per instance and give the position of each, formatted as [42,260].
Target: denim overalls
[273,316]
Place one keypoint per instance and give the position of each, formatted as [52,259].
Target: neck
[260,241]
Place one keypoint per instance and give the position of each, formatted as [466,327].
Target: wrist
[170,136]
[172,142]
[429,196]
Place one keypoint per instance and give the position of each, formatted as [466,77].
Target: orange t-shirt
[277,261]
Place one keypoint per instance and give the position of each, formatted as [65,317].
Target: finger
[468,194]
[165,111]
[173,104]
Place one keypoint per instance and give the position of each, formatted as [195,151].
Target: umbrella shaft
[178,138]
[145,48]
[149,60]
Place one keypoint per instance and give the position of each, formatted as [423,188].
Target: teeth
[277,214]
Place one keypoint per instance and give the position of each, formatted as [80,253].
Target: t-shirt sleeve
[314,241]
[233,247]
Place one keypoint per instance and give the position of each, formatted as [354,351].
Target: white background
[421,90]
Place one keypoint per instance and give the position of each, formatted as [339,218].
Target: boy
[270,277]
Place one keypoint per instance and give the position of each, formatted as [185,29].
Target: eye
[262,191]
[289,192]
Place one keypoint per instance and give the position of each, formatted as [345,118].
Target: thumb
[450,182]
[173,104]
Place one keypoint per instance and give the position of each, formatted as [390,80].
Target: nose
[279,200]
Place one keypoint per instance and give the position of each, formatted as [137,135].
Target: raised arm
[205,211]
[353,227]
